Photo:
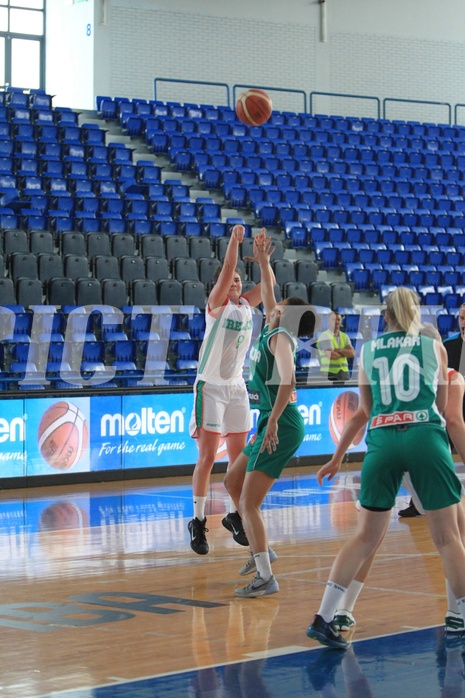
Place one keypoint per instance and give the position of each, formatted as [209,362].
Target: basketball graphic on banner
[62,435]
[342,409]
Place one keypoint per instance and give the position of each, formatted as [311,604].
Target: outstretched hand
[262,248]
[329,470]
[238,233]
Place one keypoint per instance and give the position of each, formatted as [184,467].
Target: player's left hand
[329,470]
[270,440]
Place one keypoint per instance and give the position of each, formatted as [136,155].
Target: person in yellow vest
[335,348]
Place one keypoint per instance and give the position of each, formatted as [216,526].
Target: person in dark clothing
[455,345]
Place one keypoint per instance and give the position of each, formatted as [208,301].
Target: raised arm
[254,296]
[263,249]
[220,290]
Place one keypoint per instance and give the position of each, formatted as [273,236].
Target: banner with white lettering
[143,431]
[45,436]
[12,438]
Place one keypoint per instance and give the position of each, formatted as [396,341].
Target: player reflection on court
[449,661]
[343,666]
[342,500]
[236,680]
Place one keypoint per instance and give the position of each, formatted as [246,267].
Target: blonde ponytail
[403,308]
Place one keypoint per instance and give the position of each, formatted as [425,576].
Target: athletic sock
[331,600]
[199,507]
[351,595]
[461,607]
[451,600]
[262,561]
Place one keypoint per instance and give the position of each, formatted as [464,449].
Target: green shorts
[291,431]
[421,450]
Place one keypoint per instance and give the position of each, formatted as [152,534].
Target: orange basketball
[62,435]
[342,409]
[253,107]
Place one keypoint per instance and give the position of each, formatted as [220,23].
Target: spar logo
[145,422]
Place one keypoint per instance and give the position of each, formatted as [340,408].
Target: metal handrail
[338,94]
[193,82]
[270,89]
[417,101]
[457,106]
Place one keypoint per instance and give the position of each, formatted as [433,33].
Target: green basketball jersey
[264,377]
[403,372]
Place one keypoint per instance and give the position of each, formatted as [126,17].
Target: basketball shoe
[454,622]
[258,587]
[409,512]
[198,529]
[233,523]
[250,566]
[343,620]
[326,633]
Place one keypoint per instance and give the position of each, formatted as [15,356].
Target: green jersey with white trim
[264,377]
[403,372]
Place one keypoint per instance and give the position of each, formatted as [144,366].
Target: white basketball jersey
[225,345]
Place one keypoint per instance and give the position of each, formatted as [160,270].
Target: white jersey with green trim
[227,339]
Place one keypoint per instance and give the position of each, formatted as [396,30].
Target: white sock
[232,506]
[451,600]
[351,596]
[262,561]
[461,607]
[199,507]
[331,600]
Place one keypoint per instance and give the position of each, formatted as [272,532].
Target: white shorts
[221,409]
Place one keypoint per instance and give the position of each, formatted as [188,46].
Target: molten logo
[145,422]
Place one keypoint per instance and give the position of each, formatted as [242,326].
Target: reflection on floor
[410,664]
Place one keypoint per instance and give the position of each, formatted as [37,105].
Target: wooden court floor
[99,586]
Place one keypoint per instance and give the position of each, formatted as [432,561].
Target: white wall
[70,53]
[383,48]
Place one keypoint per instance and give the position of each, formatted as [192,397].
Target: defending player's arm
[220,290]
[358,420]
[254,296]
[263,249]
[351,429]
[443,384]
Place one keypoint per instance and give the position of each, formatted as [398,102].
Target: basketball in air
[342,409]
[253,107]
[62,435]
